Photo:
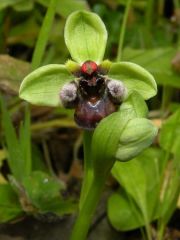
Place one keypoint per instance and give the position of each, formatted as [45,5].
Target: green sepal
[85,36]
[42,86]
[135,78]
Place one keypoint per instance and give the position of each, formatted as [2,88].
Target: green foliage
[147,191]
[141,181]
[10,206]
[149,184]
[170,134]
[85,36]
[30,190]
[18,149]
[64,8]
[156,61]
[169,140]
[44,193]
[7,3]
[12,72]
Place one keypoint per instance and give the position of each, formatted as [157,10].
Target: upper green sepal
[85,36]
[135,78]
[42,86]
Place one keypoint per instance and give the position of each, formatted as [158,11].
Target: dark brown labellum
[90,112]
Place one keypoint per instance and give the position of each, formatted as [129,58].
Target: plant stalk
[43,35]
[88,169]
[160,233]
[84,219]
[166,99]
[149,15]
[123,29]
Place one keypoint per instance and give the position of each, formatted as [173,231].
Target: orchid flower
[94,87]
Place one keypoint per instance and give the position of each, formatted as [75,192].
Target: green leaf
[138,134]
[44,193]
[123,213]
[135,78]
[37,159]
[12,72]
[42,86]
[132,177]
[171,192]
[2,156]
[85,36]
[18,150]
[152,161]
[64,8]
[7,3]
[140,192]
[170,134]
[10,207]
[19,35]
[24,6]
[157,61]
[25,144]
[15,156]
[41,188]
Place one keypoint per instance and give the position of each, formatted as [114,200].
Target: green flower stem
[176,4]
[148,231]
[161,7]
[160,233]
[149,15]
[43,35]
[122,32]
[2,42]
[88,170]
[84,219]
[166,99]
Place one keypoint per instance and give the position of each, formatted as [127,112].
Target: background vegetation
[145,191]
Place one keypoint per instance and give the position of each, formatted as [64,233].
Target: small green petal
[135,78]
[105,65]
[72,66]
[85,36]
[42,86]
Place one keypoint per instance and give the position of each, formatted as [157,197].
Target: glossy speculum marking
[93,95]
